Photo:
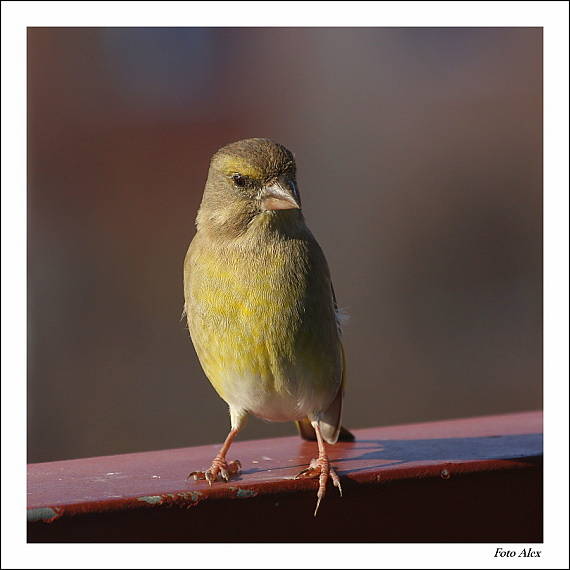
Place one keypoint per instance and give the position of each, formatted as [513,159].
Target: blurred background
[419,154]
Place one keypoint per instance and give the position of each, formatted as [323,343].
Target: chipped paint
[244,493]
[43,514]
[194,496]
[151,499]
[191,496]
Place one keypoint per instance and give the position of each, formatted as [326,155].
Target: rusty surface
[454,469]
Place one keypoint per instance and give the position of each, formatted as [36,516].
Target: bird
[261,308]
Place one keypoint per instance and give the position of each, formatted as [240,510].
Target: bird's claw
[220,467]
[322,469]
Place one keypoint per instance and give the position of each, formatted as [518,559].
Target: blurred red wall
[419,155]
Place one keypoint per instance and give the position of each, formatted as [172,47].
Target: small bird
[260,304]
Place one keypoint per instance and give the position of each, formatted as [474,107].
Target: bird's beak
[281,194]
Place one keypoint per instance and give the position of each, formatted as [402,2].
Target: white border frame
[16,16]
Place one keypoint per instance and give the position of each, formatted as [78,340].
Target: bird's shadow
[402,451]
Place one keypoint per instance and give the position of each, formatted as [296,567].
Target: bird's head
[248,180]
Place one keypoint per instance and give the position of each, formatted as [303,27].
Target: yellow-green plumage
[258,296]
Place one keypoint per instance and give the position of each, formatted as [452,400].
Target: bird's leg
[321,468]
[219,465]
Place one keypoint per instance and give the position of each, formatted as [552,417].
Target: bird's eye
[239,180]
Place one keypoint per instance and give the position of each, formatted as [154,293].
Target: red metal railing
[467,480]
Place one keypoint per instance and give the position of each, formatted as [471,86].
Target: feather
[307,432]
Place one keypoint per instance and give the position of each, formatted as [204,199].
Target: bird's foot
[220,467]
[321,468]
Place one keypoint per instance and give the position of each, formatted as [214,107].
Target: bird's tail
[306,431]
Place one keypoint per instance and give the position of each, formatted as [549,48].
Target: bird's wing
[329,421]
[341,317]
[330,425]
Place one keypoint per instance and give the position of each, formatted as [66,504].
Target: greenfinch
[260,305]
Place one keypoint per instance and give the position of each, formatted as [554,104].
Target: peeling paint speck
[245,493]
[151,500]
[194,496]
[169,498]
[43,514]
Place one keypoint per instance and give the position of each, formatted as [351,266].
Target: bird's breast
[262,322]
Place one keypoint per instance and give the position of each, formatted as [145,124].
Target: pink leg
[321,468]
[219,465]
